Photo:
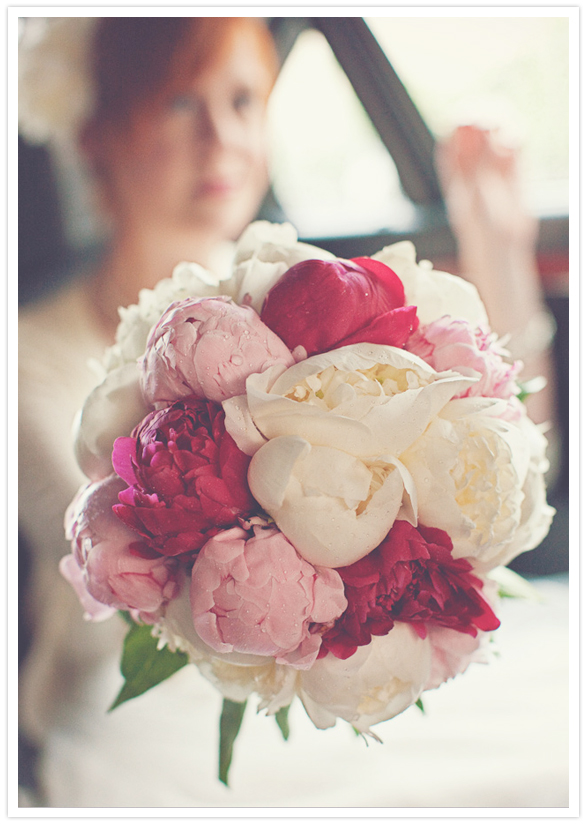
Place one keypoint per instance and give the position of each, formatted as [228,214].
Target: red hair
[137,60]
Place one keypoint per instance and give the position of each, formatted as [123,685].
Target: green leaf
[513,586]
[143,665]
[420,704]
[127,618]
[530,387]
[281,717]
[230,723]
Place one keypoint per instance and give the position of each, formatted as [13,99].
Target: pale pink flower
[448,344]
[117,568]
[94,611]
[258,596]
[207,347]
[453,652]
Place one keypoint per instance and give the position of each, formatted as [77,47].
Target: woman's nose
[215,128]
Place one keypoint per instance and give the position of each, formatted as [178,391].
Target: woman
[176,144]
[175,139]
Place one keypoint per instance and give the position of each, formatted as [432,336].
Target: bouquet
[306,480]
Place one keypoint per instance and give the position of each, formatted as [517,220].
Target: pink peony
[114,566]
[447,344]
[207,347]
[323,305]
[411,577]
[453,652]
[94,611]
[257,595]
[187,477]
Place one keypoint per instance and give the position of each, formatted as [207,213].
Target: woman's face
[196,162]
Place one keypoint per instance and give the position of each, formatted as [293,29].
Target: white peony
[112,409]
[326,435]
[264,252]
[376,683]
[274,684]
[536,514]
[333,507]
[479,478]
[379,681]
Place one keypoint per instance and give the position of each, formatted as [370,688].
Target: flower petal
[332,506]
[111,410]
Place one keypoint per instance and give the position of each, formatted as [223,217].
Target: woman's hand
[481,182]
[496,237]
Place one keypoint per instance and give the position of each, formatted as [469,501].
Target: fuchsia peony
[187,477]
[323,305]
[207,347]
[114,568]
[411,577]
[448,344]
[257,595]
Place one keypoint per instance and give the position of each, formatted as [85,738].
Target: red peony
[187,477]
[323,305]
[411,577]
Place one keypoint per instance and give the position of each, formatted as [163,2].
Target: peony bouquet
[305,479]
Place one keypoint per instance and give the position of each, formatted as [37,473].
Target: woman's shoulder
[57,337]
[62,318]
[62,305]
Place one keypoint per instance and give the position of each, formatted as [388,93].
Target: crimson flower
[410,577]
[187,477]
[323,305]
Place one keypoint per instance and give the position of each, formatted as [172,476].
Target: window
[511,71]
[330,170]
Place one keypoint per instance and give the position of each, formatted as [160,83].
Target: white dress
[495,737]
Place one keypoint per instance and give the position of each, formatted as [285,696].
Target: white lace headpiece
[55,89]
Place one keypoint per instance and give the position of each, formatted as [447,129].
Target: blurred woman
[175,140]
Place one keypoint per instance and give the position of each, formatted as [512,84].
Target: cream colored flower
[326,435]
[111,410]
[479,478]
[376,683]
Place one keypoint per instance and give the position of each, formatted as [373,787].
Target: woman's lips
[217,187]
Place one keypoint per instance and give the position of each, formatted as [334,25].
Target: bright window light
[330,170]
[510,73]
